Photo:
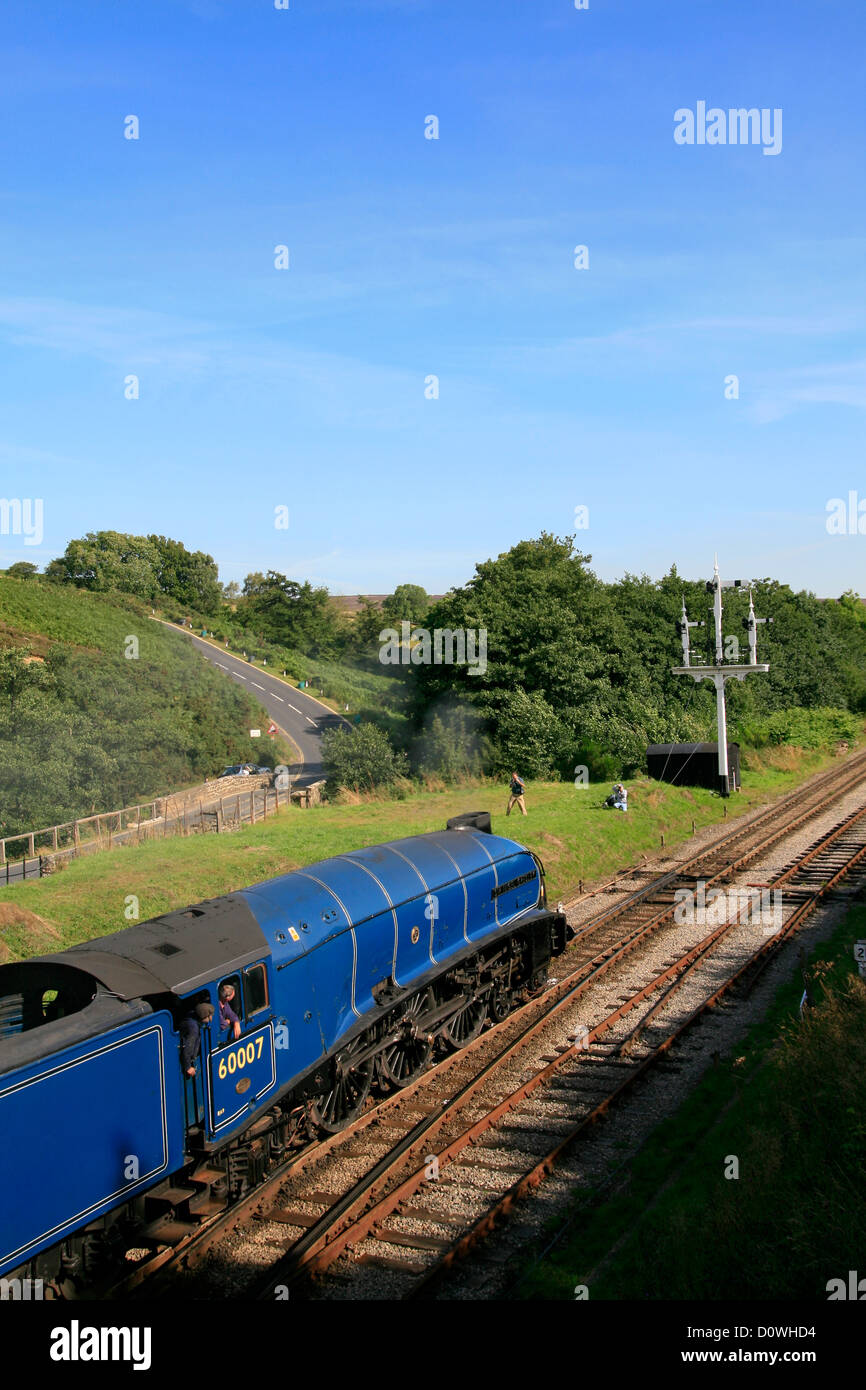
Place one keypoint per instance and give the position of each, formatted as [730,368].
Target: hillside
[100,707]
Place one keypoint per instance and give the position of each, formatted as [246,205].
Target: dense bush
[450,746]
[361,760]
[804,728]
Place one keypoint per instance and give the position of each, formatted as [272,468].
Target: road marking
[256,684]
[310,721]
[239,676]
[222,668]
[279,697]
[294,707]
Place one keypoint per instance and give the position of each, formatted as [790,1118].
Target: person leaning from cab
[190,1035]
[228,1018]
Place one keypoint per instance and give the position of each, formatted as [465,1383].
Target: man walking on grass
[517,791]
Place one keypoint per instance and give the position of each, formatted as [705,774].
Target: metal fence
[17,870]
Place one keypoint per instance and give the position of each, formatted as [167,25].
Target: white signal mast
[683,629]
[721,671]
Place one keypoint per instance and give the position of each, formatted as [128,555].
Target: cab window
[255,989]
[231,985]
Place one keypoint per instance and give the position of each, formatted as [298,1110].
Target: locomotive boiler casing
[94,1107]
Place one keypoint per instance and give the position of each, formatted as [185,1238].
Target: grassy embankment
[790,1106]
[158,720]
[575,837]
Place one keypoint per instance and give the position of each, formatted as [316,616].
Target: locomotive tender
[347,974]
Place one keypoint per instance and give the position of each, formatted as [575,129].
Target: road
[297,714]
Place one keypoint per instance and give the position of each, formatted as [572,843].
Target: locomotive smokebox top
[471,820]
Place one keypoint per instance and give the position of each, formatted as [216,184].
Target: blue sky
[410,257]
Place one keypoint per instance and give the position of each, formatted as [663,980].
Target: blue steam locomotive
[347,975]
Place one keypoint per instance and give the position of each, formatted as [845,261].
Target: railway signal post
[720,672]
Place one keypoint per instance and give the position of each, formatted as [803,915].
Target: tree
[18,676]
[361,634]
[22,569]
[189,576]
[110,560]
[408,603]
[361,760]
[528,735]
[288,613]
[552,648]
[145,566]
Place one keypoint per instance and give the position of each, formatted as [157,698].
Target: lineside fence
[37,852]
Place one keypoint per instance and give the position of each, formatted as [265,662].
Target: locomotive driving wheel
[465,1026]
[501,1002]
[407,1055]
[335,1109]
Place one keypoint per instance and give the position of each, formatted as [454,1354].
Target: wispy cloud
[781,393]
[111,334]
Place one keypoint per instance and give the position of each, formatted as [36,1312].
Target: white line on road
[256,684]
[222,668]
[310,721]
[239,676]
[279,697]
[294,707]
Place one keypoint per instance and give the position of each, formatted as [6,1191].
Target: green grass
[63,614]
[575,838]
[790,1105]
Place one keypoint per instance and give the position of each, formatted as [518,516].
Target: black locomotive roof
[178,951]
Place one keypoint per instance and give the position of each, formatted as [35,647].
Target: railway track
[416,1218]
[386,1157]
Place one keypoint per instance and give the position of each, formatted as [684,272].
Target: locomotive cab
[232,1074]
